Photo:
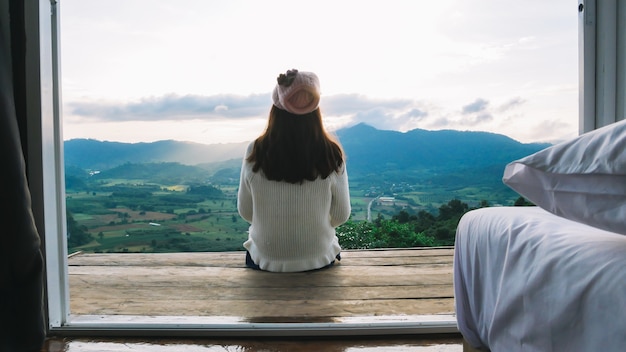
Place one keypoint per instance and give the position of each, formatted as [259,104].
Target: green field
[119,215]
[164,220]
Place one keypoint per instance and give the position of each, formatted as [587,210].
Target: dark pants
[251,264]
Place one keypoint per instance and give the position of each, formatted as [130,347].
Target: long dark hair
[295,148]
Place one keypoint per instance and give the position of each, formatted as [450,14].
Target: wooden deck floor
[365,283]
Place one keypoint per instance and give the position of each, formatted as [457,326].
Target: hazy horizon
[332,132]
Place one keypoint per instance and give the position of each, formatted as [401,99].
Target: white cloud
[477,106]
[173,106]
[398,64]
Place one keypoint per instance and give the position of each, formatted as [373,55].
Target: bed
[528,280]
[550,277]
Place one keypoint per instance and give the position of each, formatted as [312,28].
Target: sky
[203,70]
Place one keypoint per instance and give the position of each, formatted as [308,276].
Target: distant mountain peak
[363,125]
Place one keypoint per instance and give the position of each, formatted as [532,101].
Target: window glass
[161,98]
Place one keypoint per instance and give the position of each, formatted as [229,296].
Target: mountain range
[91,154]
[415,155]
[371,151]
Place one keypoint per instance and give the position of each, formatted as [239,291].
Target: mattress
[527,280]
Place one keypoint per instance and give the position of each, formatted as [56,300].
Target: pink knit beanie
[297,92]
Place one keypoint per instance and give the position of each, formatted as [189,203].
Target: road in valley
[369,208]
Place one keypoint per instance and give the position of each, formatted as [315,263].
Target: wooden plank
[102,290]
[403,252]
[237,259]
[241,277]
[258,308]
[365,283]
[239,262]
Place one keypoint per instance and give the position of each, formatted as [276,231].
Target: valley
[120,200]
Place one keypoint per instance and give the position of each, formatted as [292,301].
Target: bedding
[582,179]
[528,280]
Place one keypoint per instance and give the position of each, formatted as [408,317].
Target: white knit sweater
[292,225]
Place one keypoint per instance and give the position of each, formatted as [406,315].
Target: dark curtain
[21,273]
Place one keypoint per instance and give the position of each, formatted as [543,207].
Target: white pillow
[583,179]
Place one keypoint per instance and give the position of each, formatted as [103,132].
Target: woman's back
[293,224]
[294,185]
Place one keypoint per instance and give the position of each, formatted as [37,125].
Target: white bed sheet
[527,280]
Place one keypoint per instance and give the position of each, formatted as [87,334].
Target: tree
[424,221]
[454,208]
[206,191]
[402,217]
[522,202]
[356,235]
[77,235]
[393,234]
